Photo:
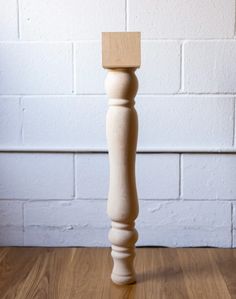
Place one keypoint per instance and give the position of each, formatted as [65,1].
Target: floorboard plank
[202,277]
[84,273]
[226,262]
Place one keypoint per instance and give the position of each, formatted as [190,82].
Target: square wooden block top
[121,49]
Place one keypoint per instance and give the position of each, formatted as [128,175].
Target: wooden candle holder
[121,56]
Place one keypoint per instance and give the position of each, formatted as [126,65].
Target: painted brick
[159,223]
[11,213]
[185,121]
[234,226]
[234,142]
[11,236]
[182,19]
[160,69]
[178,224]
[65,121]
[80,213]
[70,19]
[209,176]
[10,121]
[90,75]
[63,237]
[163,122]
[36,176]
[76,223]
[8,20]
[35,68]
[157,176]
[92,176]
[11,223]
[210,66]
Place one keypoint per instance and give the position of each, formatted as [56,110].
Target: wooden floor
[84,273]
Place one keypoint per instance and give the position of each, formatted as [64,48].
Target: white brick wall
[185,223]
[8,20]
[89,68]
[163,56]
[234,225]
[186,121]
[10,120]
[182,19]
[35,68]
[70,19]
[166,223]
[53,161]
[36,176]
[209,177]
[67,121]
[165,121]
[11,223]
[67,223]
[209,66]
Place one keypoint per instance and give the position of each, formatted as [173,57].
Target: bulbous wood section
[121,129]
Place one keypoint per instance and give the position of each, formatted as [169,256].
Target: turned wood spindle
[121,56]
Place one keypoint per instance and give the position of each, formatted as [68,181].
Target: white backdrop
[53,160]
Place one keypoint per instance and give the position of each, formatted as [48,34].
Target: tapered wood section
[72,273]
[122,129]
[121,56]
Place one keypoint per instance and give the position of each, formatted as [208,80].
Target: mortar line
[234,18]
[21,121]
[209,199]
[85,199]
[18,19]
[23,219]
[151,94]
[73,69]
[232,226]
[41,41]
[74,176]
[180,176]
[181,69]
[34,200]
[234,124]
[23,215]
[126,20]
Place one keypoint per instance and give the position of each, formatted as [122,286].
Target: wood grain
[226,262]
[121,49]
[83,273]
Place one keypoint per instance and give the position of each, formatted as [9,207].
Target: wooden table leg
[122,128]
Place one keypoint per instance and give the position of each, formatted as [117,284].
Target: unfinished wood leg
[121,56]
[121,127]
